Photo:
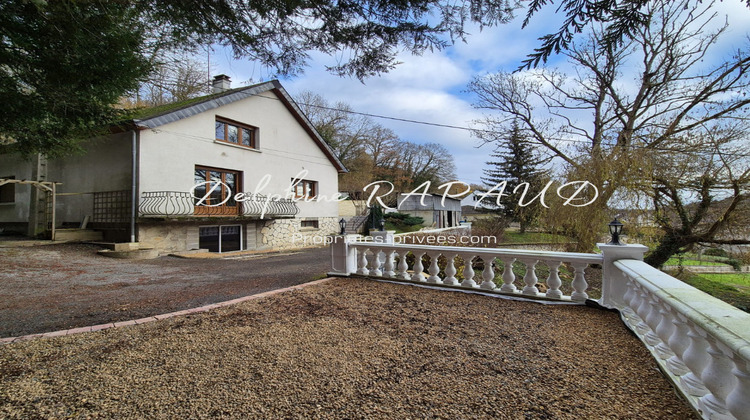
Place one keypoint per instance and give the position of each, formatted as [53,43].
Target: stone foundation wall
[288,233]
[168,237]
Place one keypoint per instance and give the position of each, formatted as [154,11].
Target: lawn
[733,288]
[738,280]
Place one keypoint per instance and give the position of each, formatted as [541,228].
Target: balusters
[718,378]
[530,278]
[376,261]
[434,269]
[652,320]
[643,310]
[450,271]
[664,331]
[628,297]
[362,254]
[508,276]
[389,260]
[468,272]
[678,343]
[488,274]
[418,267]
[696,359]
[579,283]
[553,280]
[403,266]
[737,401]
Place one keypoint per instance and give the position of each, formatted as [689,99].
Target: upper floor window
[236,133]
[304,188]
[8,191]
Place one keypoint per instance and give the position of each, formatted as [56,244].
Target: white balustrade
[702,343]
[389,260]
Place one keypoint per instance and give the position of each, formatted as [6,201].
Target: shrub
[396,216]
[412,221]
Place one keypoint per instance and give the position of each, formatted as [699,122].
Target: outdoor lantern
[615,229]
[382,224]
[342,223]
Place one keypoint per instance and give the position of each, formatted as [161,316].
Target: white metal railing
[701,343]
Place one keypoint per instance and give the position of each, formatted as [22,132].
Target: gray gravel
[347,349]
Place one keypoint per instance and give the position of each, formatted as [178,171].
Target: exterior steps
[78,235]
[355,224]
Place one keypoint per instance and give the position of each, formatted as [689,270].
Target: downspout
[133,191]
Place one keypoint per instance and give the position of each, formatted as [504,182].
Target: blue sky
[432,87]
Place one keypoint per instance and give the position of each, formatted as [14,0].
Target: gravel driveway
[348,348]
[54,287]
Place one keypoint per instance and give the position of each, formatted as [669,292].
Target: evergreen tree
[515,161]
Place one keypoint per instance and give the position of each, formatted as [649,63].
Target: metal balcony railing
[182,204]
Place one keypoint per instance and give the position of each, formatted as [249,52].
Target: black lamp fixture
[615,229]
[342,224]
[382,224]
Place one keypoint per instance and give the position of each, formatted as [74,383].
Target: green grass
[533,237]
[716,286]
[686,262]
[739,280]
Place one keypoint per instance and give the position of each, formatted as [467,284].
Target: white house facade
[141,184]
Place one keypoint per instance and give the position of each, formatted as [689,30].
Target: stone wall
[288,233]
[168,237]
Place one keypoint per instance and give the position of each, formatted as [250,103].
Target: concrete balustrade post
[343,255]
[613,283]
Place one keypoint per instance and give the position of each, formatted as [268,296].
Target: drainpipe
[133,192]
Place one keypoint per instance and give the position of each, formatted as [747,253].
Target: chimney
[221,83]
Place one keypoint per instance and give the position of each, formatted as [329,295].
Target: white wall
[104,166]
[169,153]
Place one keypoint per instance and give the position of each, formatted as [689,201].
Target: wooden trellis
[47,186]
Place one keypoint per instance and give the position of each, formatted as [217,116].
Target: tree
[176,76]
[281,33]
[622,17]
[372,152]
[517,162]
[62,66]
[636,127]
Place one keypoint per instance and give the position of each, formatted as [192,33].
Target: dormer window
[232,132]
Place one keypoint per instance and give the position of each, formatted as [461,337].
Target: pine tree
[515,161]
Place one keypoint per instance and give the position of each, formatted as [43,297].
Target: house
[169,178]
[437,212]
[475,206]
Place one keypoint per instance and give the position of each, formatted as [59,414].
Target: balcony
[175,204]
[701,344]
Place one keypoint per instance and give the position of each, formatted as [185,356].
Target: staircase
[354,224]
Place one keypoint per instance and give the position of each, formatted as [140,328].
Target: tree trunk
[668,246]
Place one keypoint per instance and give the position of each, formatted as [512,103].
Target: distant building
[431,207]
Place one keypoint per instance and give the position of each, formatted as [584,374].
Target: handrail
[717,316]
[542,255]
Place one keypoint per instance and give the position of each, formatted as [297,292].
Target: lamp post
[615,229]
[342,224]
[382,224]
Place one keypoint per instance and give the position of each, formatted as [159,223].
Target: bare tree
[616,130]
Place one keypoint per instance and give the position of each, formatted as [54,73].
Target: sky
[432,87]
